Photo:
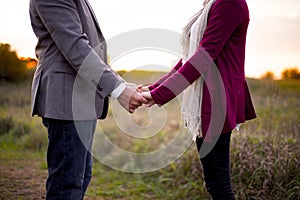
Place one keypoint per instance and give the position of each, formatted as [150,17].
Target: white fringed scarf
[192,96]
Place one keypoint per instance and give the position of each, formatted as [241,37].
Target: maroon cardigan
[223,44]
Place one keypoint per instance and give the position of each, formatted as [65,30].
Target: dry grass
[265,154]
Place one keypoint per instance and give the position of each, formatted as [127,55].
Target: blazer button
[99,88]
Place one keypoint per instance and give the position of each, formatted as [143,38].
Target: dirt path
[22,180]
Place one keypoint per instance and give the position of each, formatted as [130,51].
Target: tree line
[15,69]
[287,74]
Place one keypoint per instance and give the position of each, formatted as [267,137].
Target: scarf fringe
[192,96]
[193,124]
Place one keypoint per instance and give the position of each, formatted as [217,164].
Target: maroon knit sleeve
[225,17]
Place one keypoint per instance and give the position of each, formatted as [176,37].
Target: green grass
[265,154]
[172,182]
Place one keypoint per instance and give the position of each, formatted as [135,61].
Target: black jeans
[69,158]
[216,168]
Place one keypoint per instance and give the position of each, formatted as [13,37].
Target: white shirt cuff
[118,91]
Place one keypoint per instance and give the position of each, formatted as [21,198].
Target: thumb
[147,95]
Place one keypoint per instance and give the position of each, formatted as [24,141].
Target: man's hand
[130,99]
[148,97]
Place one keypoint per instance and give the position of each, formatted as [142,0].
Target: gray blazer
[72,79]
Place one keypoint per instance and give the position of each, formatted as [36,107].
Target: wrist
[118,91]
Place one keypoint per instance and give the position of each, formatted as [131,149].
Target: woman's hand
[143,88]
[147,95]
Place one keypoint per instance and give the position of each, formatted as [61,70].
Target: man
[70,90]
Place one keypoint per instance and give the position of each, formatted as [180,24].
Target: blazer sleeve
[225,16]
[61,19]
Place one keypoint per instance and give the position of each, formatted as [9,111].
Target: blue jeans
[216,168]
[69,158]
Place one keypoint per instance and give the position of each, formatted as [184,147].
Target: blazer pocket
[62,67]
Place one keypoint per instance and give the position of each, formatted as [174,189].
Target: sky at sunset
[273,41]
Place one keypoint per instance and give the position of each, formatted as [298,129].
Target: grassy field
[265,153]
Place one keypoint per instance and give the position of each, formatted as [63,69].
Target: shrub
[21,128]
[268,75]
[11,67]
[6,124]
[35,141]
[291,73]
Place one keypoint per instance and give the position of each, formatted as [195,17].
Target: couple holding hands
[72,51]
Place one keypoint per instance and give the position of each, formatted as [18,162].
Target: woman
[212,110]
